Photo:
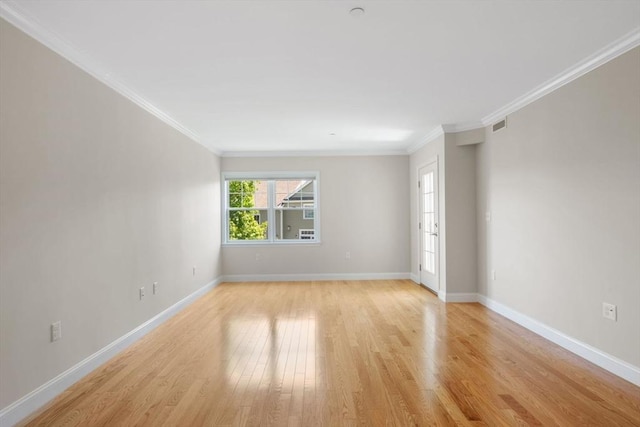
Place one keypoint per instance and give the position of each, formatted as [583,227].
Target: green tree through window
[242,223]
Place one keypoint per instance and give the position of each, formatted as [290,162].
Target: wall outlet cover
[609,311]
[56,331]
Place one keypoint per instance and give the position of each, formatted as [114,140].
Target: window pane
[293,193]
[428,202]
[291,225]
[427,243]
[261,198]
[247,194]
[248,224]
[428,223]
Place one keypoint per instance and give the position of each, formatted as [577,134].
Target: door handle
[434,234]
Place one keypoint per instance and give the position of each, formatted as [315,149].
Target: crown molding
[313,153]
[12,13]
[609,52]
[462,127]
[435,133]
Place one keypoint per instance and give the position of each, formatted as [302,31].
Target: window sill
[281,243]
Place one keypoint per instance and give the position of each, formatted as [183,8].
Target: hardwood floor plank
[525,415]
[338,353]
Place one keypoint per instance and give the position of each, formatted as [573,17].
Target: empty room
[319,213]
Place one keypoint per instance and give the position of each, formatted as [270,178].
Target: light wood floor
[342,353]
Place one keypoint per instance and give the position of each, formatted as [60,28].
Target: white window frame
[271,177]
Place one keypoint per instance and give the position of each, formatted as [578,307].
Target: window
[307,212]
[275,208]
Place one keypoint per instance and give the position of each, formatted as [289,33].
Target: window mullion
[316,216]
[271,215]
[225,220]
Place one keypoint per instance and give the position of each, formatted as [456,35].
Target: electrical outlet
[142,292]
[258,257]
[155,288]
[194,270]
[609,311]
[347,255]
[56,331]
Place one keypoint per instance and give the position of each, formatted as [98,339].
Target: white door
[428,226]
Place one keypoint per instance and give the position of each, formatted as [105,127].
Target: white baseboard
[460,297]
[415,278]
[606,361]
[31,402]
[313,277]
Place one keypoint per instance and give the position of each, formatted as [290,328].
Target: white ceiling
[284,76]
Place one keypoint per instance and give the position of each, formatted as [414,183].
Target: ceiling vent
[500,125]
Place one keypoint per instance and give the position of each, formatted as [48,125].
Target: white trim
[11,11]
[609,52]
[34,400]
[280,242]
[598,357]
[431,136]
[415,278]
[441,130]
[460,297]
[301,175]
[462,127]
[313,277]
[314,153]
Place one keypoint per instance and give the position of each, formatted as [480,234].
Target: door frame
[435,164]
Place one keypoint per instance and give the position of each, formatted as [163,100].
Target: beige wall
[460,203]
[363,210]
[562,183]
[457,212]
[97,198]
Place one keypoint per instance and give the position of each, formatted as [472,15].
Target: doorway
[428,226]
